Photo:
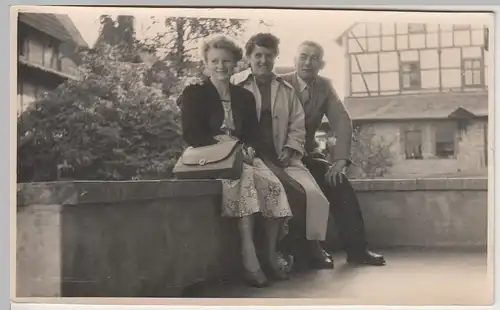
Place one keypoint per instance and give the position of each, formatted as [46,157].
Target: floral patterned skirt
[257,191]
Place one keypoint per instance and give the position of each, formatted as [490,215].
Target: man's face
[309,62]
[262,60]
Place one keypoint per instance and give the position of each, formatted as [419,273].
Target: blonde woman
[214,110]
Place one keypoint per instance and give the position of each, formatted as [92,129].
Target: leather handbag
[223,160]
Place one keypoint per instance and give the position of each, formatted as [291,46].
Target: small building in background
[47,54]
[423,88]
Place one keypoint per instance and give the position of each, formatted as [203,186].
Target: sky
[290,26]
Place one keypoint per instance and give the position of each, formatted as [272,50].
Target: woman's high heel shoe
[256,279]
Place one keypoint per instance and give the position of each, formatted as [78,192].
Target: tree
[181,35]
[371,154]
[108,126]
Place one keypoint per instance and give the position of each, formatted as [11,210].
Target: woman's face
[220,63]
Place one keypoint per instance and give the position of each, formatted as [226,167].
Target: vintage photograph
[253,153]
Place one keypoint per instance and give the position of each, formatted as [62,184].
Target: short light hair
[315,45]
[222,42]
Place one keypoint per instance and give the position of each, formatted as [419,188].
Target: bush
[107,126]
[371,154]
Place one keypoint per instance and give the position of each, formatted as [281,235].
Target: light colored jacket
[287,112]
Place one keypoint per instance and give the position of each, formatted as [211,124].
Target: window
[416,28]
[445,134]
[472,72]
[413,144]
[410,75]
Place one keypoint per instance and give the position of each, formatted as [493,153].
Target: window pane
[477,64]
[468,78]
[406,80]
[476,76]
[467,64]
[48,54]
[413,145]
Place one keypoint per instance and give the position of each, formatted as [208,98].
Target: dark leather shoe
[366,258]
[321,262]
[328,254]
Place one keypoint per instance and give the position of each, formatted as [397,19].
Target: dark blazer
[202,115]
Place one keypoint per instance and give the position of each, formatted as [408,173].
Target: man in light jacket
[282,122]
[319,98]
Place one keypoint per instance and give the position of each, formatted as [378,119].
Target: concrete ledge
[154,238]
[88,192]
[437,184]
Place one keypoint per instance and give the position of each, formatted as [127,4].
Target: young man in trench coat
[319,99]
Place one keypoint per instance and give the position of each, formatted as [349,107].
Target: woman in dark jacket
[215,110]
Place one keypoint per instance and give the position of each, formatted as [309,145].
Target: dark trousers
[344,207]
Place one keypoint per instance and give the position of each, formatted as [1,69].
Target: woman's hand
[248,155]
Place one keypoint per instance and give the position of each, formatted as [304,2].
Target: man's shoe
[322,261]
[366,258]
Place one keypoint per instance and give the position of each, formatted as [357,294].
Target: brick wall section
[154,238]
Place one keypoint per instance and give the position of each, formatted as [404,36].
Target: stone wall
[470,157]
[154,238]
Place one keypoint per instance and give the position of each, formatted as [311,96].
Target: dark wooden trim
[380,39]
[362,75]
[462,69]
[399,66]
[417,49]
[483,68]
[396,71]
[361,46]
[395,35]
[378,73]
[439,59]
[407,34]
[426,90]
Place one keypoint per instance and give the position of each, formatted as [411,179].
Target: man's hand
[286,156]
[335,172]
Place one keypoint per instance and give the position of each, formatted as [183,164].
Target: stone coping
[86,192]
[424,184]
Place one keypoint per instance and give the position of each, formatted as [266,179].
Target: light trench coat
[289,131]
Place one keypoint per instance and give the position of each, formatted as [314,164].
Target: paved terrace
[411,277]
[161,238]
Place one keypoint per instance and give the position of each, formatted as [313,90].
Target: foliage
[371,154]
[181,36]
[120,121]
[107,126]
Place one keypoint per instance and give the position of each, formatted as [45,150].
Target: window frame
[402,74]
[473,60]
[442,125]
[420,155]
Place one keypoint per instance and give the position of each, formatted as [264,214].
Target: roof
[338,40]
[59,26]
[419,106]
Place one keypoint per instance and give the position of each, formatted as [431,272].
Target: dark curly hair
[266,40]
